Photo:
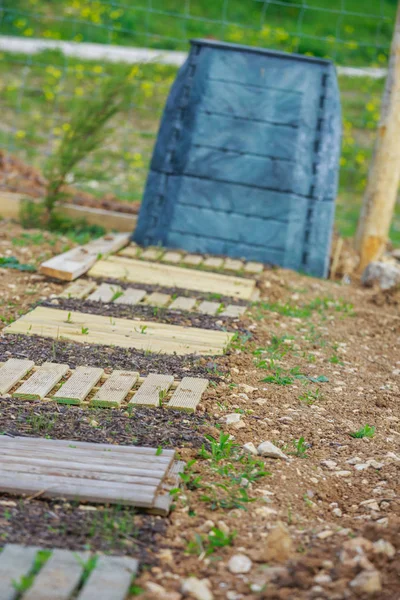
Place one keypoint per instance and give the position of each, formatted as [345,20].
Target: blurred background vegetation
[38,92]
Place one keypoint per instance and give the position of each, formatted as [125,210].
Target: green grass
[365,431]
[356,33]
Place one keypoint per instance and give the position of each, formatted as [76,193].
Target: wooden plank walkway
[62,576]
[90,385]
[112,293]
[72,264]
[86,472]
[153,273]
[12,371]
[150,336]
[180,257]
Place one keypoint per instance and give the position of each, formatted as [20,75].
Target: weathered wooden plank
[104,450]
[79,289]
[188,394]
[130,296]
[193,259]
[253,267]
[148,254]
[172,257]
[213,262]
[233,264]
[148,273]
[183,303]
[172,480]
[78,386]
[152,390]
[12,371]
[115,389]
[104,293]
[125,333]
[59,577]
[158,299]
[70,265]
[41,382]
[15,562]
[84,490]
[110,579]
[233,311]
[208,308]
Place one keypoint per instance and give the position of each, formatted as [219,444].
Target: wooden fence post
[384,174]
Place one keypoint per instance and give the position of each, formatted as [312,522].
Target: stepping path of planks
[108,293]
[177,257]
[61,574]
[149,336]
[153,273]
[87,472]
[91,386]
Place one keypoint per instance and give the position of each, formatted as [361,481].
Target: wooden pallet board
[209,308]
[133,296]
[59,577]
[149,273]
[81,288]
[153,389]
[62,574]
[41,382]
[115,389]
[111,391]
[188,394]
[97,473]
[217,263]
[79,385]
[104,293]
[12,371]
[72,264]
[125,333]
[15,562]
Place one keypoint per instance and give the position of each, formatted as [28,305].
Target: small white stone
[342,473]
[329,464]
[247,388]
[232,418]
[239,563]
[367,582]
[337,512]
[250,448]
[198,588]
[322,578]
[384,547]
[323,535]
[269,450]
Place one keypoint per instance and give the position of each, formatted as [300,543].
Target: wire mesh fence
[39,86]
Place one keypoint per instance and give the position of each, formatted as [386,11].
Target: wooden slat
[139,271]
[78,386]
[148,254]
[172,257]
[104,293]
[233,311]
[41,382]
[193,259]
[12,371]
[110,579]
[103,450]
[115,389]
[130,296]
[125,333]
[152,390]
[78,289]
[208,308]
[158,299]
[233,264]
[15,562]
[59,577]
[188,394]
[70,265]
[253,267]
[183,303]
[213,262]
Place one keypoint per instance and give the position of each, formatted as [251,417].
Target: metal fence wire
[40,75]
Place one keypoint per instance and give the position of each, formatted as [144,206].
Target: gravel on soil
[146,313]
[92,355]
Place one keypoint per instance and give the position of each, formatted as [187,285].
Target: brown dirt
[357,351]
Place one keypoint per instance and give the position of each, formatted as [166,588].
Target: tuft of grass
[365,431]
[26,581]
[300,448]
[206,545]
[84,330]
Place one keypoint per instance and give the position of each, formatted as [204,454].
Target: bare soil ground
[315,361]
